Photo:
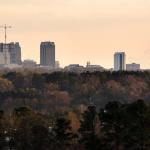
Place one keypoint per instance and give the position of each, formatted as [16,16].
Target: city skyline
[49,58]
[94,32]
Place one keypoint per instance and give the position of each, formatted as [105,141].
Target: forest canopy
[60,91]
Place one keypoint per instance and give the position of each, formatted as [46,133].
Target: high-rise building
[47,54]
[133,67]
[15,53]
[119,61]
[11,53]
[4,54]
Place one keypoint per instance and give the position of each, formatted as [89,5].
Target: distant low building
[29,63]
[12,66]
[74,68]
[78,68]
[93,68]
[57,64]
[133,67]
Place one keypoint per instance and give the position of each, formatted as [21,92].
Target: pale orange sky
[82,29]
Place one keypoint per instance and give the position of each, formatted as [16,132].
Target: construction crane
[5,27]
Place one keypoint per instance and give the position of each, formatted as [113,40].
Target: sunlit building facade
[47,54]
[119,61]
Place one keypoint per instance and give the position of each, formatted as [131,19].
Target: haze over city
[83,30]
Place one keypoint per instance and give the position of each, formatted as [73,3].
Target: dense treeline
[60,91]
[87,111]
[115,127]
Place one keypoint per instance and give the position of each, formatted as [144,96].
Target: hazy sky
[83,30]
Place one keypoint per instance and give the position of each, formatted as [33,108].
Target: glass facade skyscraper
[119,61]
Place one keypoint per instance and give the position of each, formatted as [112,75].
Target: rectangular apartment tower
[15,53]
[47,54]
[119,61]
[11,53]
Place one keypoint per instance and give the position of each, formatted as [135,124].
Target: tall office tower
[119,61]
[4,54]
[10,53]
[47,54]
[15,53]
